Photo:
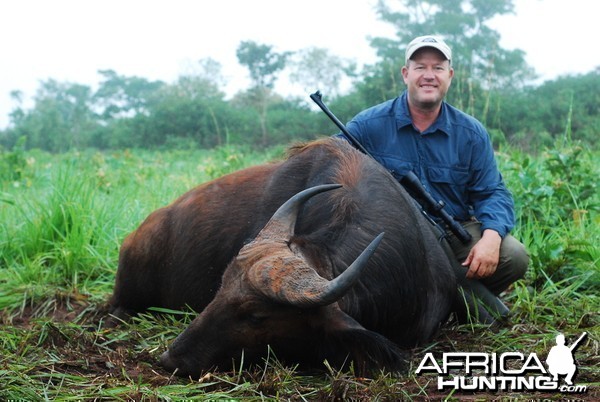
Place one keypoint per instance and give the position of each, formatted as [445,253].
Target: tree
[566,106]
[17,114]
[61,117]
[315,68]
[263,64]
[199,89]
[120,96]
[192,110]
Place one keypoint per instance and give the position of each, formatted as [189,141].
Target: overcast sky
[70,40]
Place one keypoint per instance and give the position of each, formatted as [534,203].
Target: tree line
[491,83]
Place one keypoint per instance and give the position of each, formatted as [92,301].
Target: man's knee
[512,266]
[514,257]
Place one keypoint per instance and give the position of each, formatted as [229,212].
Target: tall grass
[62,222]
[558,206]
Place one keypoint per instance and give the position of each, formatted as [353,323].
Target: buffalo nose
[167,362]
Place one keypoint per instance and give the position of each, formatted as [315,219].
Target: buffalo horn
[291,280]
[335,289]
[286,276]
[281,225]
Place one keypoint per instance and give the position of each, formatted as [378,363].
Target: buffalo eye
[252,313]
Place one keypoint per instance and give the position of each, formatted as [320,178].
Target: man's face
[428,76]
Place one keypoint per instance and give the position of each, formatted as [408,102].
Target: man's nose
[429,74]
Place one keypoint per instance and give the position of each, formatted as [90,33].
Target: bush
[557,202]
[13,164]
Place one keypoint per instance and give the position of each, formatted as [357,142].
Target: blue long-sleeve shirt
[453,158]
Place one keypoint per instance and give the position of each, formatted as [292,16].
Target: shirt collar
[442,123]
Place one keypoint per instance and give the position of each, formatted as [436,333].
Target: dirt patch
[70,342]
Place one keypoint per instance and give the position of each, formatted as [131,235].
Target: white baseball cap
[428,41]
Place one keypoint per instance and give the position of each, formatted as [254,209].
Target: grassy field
[63,217]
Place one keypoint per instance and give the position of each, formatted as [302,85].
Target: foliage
[61,119]
[264,65]
[555,194]
[13,164]
[533,117]
[124,96]
[193,110]
[262,62]
[315,68]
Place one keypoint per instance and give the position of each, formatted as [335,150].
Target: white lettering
[545,383]
[464,384]
[507,382]
[434,366]
[502,383]
[452,383]
[525,383]
[460,360]
[510,355]
[487,383]
[573,388]
[510,366]
[534,364]
[472,362]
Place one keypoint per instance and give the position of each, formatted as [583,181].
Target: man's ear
[404,72]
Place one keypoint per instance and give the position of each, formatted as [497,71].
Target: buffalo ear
[348,342]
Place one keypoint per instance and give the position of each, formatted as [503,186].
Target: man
[452,155]
[560,360]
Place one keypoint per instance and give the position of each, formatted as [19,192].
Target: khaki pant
[513,258]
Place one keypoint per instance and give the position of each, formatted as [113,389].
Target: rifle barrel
[574,345]
[317,98]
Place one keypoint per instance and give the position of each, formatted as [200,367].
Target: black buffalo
[276,290]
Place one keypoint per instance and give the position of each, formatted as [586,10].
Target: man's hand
[484,256]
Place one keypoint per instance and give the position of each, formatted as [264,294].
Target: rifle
[429,204]
[410,181]
[574,345]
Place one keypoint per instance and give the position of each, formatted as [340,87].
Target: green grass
[63,218]
[63,221]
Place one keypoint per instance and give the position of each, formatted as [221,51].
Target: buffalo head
[272,296]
